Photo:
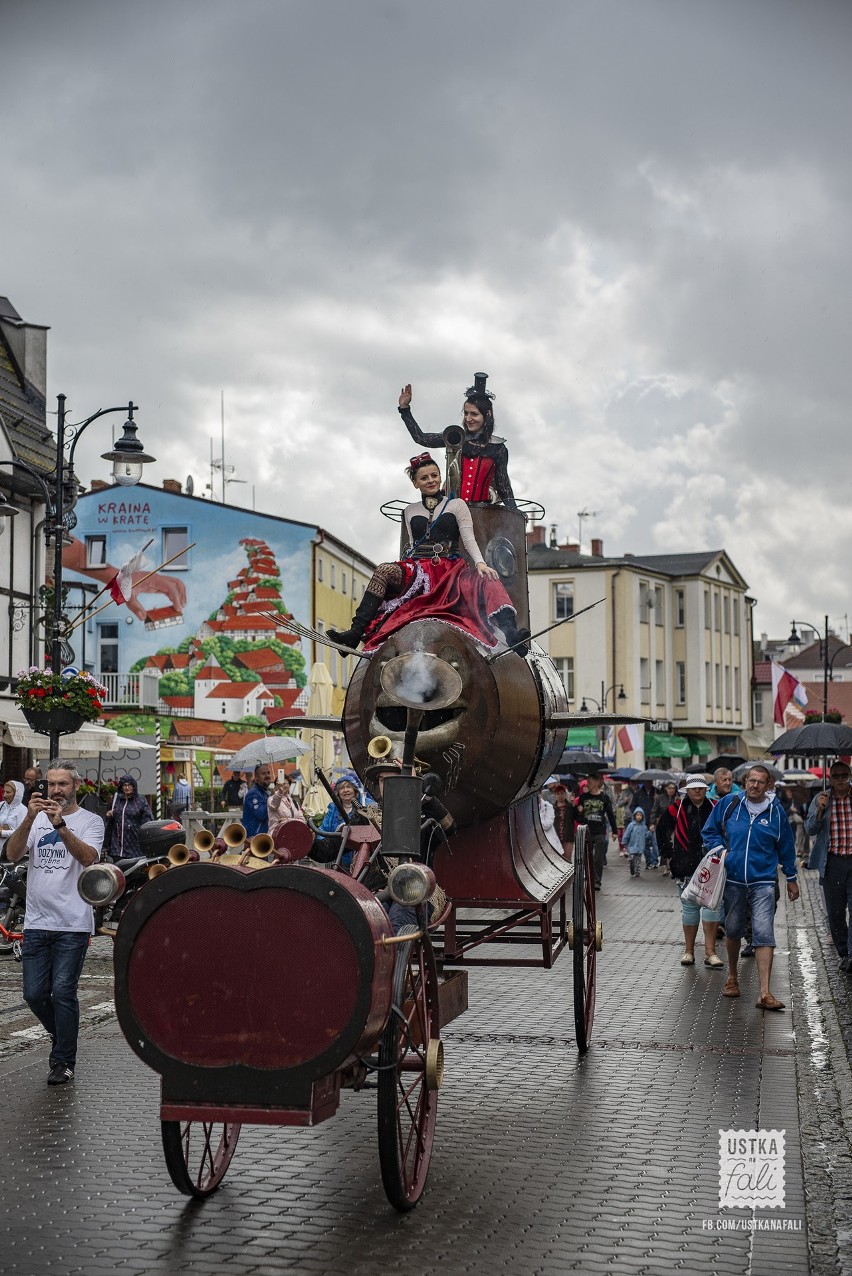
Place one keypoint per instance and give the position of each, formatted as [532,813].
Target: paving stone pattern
[544,1162]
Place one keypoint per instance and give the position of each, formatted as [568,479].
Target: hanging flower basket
[54,721]
[58,703]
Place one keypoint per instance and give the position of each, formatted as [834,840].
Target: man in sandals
[759,838]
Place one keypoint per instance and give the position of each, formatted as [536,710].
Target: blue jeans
[53,962]
[758,898]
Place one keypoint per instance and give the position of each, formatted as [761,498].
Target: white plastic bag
[707,883]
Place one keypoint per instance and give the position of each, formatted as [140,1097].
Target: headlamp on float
[411,884]
[100,884]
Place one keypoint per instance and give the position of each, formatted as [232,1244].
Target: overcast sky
[635,216]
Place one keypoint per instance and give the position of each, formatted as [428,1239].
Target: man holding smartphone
[62,839]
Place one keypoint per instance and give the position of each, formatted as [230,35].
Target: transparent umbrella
[268,748]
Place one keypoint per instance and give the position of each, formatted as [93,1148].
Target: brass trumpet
[156,870]
[261,845]
[203,840]
[181,854]
[381,746]
[234,835]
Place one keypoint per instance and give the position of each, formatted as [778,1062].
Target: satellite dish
[189,485]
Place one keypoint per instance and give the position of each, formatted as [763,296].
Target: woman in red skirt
[432,579]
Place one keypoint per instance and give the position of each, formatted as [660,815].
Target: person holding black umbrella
[829,822]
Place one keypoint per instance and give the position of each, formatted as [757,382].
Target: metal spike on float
[304,631]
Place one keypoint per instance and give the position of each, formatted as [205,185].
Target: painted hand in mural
[172,588]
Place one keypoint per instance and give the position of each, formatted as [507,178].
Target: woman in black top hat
[484,458]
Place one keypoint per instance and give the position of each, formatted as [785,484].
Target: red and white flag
[786,690]
[121,585]
[630,738]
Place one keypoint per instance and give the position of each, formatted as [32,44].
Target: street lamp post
[605,691]
[601,706]
[826,668]
[128,457]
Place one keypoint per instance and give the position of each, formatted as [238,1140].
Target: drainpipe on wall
[315,544]
[617,573]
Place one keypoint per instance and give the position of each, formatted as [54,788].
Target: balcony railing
[122,689]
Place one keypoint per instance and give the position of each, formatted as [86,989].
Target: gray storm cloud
[634,217]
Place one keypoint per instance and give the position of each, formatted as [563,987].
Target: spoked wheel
[198,1153]
[411,1066]
[586,939]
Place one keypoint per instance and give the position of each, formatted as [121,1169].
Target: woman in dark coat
[128,813]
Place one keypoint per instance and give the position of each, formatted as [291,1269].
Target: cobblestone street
[544,1162]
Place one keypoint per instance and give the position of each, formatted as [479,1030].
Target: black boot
[515,637]
[364,613]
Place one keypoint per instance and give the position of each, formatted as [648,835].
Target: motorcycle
[156,839]
[13,903]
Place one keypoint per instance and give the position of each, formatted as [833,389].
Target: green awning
[699,747]
[584,736]
[660,745]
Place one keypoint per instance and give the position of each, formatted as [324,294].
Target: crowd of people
[762,826]
[674,826]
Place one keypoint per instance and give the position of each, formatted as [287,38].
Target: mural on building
[230,664]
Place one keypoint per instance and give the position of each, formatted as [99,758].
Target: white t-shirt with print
[52,899]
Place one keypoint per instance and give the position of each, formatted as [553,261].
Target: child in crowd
[638,840]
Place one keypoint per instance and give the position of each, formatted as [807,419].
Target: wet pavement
[544,1162]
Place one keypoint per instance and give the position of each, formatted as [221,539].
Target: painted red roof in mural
[285,709]
[237,623]
[212,669]
[235,691]
[262,658]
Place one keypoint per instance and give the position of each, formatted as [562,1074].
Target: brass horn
[181,854]
[204,840]
[261,845]
[453,440]
[234,835]
[381,746]
[420,680]
[157,870]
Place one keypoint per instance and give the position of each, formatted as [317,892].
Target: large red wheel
[586,939]
[198,1153]
[411,1065]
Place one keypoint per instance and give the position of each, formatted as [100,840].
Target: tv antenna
[581,515]
[218,465]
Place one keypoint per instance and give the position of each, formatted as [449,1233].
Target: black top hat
[478,387]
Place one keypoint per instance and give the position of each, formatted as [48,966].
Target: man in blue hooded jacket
[758,837]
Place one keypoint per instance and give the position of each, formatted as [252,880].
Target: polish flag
[121,585]
[786,690]
[630,738]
